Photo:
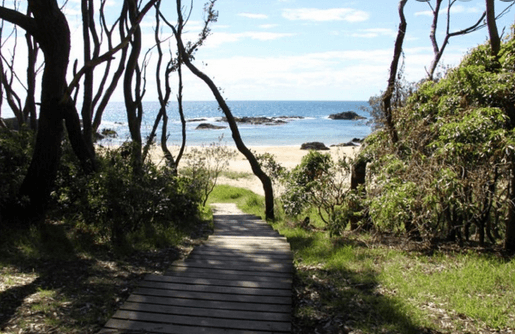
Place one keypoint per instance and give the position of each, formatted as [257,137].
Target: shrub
[15,155]
[321,183]
[205,165]
[117,201]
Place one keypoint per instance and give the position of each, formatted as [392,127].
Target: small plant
[321,183]
[205,165]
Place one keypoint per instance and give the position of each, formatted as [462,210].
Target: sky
[324,49]
[331,50]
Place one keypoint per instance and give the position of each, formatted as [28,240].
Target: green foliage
[321,183]
[448,175]
[118,202]
[15,155]
[205,165]
[270,166]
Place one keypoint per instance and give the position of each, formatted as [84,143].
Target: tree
[437,49]
[388,94]
[495,40]
[256,168]
[46,23]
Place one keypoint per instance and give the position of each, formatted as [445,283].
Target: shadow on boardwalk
[238,281]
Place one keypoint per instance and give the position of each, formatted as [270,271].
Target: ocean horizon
[305,121]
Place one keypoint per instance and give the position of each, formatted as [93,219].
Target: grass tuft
[374,285]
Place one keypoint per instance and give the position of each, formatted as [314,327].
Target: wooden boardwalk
[238,281]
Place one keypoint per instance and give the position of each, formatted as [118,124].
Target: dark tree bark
[133,102]
[50,29]
[509,238]
[387,97]
[357,180]
[495,40]
[437,50]
[29,110]
[256,168]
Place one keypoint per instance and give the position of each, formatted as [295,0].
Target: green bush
[116,201]
[449,175]
[321,183]
[15,155]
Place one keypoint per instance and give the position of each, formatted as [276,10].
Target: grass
[236,175]
[65,278]
[381,284]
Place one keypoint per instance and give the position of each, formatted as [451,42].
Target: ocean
[315,124]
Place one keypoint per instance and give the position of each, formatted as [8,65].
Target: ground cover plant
[378,282]
[104,231]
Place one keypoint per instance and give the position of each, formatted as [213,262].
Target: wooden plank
[215,289]
[206,312]
[117,326]
[219,305]
[255,271]
[223,275]
[214,296]
[213,281]
[246,238]
[272,326]
[241,265]
[200,251]
[238,281]
[243,251]
[257,261]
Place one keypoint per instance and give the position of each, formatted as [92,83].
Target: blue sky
[302,49]
[322,50]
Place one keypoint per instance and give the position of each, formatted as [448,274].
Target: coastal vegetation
[414,234]
[380,282]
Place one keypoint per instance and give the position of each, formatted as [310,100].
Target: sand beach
[287,156]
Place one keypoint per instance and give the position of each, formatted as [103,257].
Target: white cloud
[456,9]
[374,32]
[268,26]
[253,16]
[320,15]
[219,38]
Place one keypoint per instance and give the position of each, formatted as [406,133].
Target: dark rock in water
[207,126]
[110,133]
[262,120]
[105,133]
[351,143]
[357,140]
[318,146]
[197,120]
[347,115]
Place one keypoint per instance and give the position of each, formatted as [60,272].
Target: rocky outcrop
[196,120]
[353,142]
[262,120]
[207,126]
[317,146]
[347,115]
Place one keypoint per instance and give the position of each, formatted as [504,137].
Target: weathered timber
[238,281]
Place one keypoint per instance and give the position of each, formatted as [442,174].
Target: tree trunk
[256,168]
[358,178]
[387,97]
[131,102]
[509,238]
[495,41]
[53,35]
[50,29]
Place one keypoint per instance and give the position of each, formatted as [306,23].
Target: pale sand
[286,156]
